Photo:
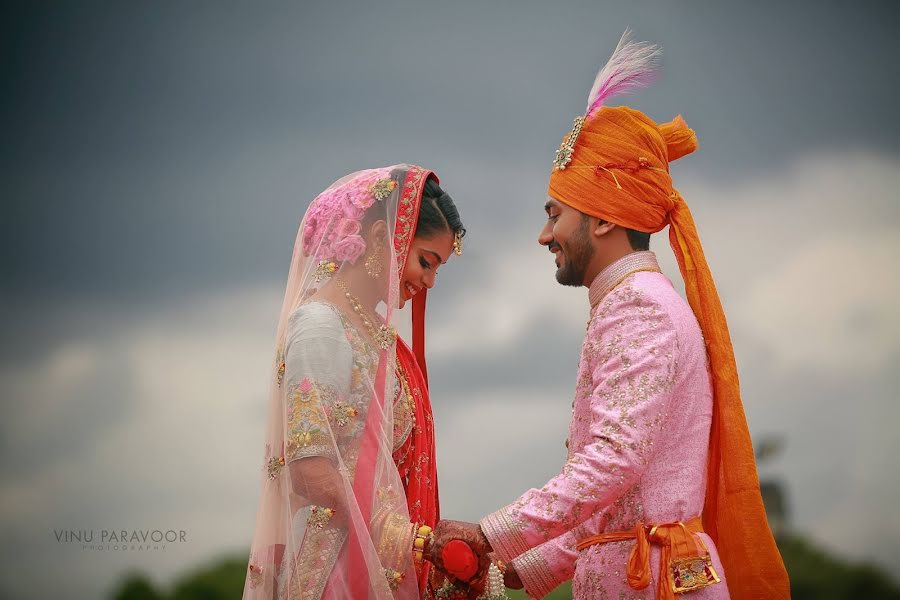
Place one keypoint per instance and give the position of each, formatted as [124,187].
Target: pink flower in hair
[312,237]
[347,227]
[332,225]
[325,251]
[313,230]
[349,248]
[361,197]
[350,207]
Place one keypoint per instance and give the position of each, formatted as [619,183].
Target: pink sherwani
[637,447]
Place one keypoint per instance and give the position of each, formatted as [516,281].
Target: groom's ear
[602,228]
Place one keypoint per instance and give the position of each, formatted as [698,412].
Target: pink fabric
[637,448]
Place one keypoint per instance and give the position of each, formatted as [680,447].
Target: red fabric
[418,469]
[418,329]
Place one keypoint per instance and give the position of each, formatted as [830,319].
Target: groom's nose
[546,235]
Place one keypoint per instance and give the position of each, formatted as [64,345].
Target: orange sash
[684,561]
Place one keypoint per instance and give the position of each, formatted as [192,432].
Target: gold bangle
[423,533]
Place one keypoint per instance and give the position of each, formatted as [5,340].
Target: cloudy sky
[157,158]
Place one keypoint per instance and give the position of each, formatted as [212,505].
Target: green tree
[223,580]
[820,576]
[136,586]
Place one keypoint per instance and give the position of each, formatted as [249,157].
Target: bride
[349,485]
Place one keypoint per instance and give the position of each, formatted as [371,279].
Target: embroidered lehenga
[348,473]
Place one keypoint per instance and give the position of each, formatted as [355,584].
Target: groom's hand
[511,578]
[470,533]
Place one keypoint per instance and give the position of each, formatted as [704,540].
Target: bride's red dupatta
[418,467]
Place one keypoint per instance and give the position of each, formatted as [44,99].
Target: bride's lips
[410,290]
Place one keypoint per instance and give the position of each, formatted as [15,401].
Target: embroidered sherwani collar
[614,274]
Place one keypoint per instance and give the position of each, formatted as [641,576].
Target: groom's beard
[577,254]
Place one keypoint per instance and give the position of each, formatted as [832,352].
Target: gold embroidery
[404,410]
[609,385]
[407,212]
[343,413]
[279,362]
[321,419]
[313,562]
[302,436]
[274,465]
[319,517]
[308,431]
[387,494]
[324,270]
[394,578]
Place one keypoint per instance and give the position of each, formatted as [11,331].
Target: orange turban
[618,171]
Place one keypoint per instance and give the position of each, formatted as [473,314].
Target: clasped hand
[447,531]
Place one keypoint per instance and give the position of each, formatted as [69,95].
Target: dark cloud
[163,147]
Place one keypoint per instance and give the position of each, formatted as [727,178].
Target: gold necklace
[384,335]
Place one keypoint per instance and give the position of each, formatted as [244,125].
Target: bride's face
[426,255]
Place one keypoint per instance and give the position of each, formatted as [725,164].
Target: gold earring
[457,244]
[373,266]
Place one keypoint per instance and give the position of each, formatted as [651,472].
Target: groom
[659,493]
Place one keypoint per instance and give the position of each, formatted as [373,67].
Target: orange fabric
[619,172]
[676,541]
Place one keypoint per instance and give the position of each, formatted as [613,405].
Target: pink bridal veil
[333,519]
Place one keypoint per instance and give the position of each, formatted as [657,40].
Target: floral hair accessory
[333,222]
[382,188]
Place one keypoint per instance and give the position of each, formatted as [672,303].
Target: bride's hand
[446,531]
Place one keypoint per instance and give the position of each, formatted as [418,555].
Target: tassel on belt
[683,556]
